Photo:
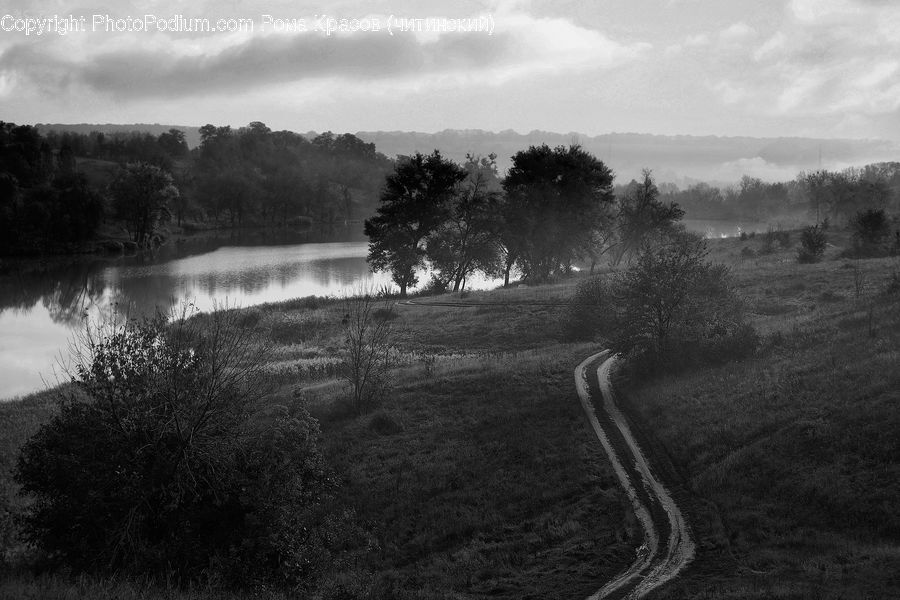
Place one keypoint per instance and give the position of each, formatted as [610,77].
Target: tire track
[667,546]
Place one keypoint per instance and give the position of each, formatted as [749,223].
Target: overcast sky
[819,68]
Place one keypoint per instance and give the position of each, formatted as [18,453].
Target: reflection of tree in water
[324,273]
[65,290]
[141,285]
[145,294]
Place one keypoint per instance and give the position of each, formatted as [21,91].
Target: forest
[67,192]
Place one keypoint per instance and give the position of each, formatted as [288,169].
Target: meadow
[479,476]
[790,458]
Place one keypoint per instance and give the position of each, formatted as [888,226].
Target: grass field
[480,477]
[792,456]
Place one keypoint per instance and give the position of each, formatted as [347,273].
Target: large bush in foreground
[165,462]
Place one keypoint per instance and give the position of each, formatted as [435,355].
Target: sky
[812,68]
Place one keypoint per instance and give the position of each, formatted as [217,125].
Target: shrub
[589,310]
[366,356]
[433,287]
[384,423]
[812,244]
[166,463]
[774,237]
[892,285]
[669,309]
[871,233]
[783,238]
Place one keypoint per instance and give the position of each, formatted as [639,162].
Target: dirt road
[667,546]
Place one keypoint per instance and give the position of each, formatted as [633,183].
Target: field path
[667,546]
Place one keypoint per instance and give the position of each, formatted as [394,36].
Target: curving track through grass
[667,546]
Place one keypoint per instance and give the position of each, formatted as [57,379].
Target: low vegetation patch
[669,309]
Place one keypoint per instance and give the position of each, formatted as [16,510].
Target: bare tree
[367,348]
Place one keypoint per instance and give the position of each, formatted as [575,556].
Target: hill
[680,159]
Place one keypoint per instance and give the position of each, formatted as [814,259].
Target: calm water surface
[41,306]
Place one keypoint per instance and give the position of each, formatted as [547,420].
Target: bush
[668,310]
[892,284]
[384,423]
[812,244]
[871,233]
[774,237]
[366,356]
[589,310]
[166,462]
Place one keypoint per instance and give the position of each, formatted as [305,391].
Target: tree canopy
[555,200]
[141,196]
[416,199]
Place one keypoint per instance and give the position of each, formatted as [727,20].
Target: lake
[42,305]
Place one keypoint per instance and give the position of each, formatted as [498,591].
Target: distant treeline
[57,189]
[834,195]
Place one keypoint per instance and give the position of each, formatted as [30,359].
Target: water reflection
[41,304]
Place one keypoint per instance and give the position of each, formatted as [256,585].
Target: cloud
[737,32]
[522,46]
[831,59]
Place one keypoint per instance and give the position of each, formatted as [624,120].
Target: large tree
[642,215]
[466,241]
[556,201]
[141,195]
[415,200]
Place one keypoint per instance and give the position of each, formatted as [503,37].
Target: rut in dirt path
[667,546]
